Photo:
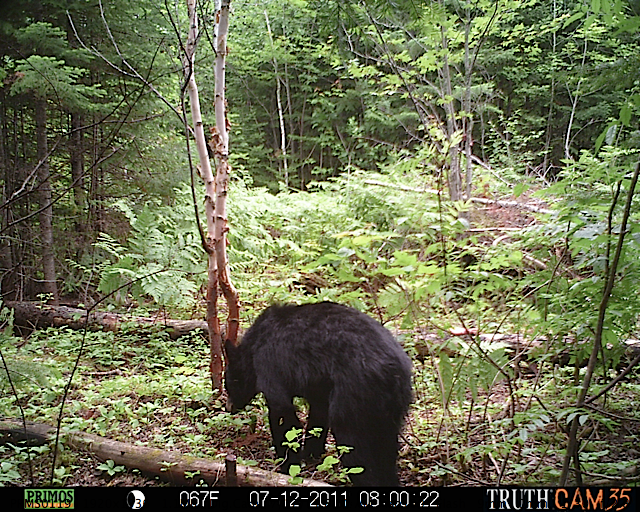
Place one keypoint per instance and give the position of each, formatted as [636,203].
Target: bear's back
[328,346]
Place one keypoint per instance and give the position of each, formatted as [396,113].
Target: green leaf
[392,272]
[404,259]
[345,252]
[328,463]
[293,434]
[573,18]
[519,189]
[294,470]
[523,434]
[625,114]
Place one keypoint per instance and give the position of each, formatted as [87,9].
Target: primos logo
[49,498]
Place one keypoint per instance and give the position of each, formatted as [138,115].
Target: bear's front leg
[282,418]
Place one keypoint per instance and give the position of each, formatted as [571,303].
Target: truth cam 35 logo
[570,499]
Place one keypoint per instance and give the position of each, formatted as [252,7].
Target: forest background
[368,144]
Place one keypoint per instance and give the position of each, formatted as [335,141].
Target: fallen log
[168,466]
[34,315]
[481,200]
[523,350]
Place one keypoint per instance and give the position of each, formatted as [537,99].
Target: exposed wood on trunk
[33,315]
[216,188]
[215,344]
[168,466]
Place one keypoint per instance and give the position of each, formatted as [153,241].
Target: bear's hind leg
[375,449]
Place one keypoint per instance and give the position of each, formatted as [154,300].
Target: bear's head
[240,377]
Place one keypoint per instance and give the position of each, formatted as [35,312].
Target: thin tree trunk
[216,188]
[46,213]
[547,142]
[76,157]
[283,136]
[572,443]
[291,143]
[574,106]
[301,146]
[95,197]
[468,119]
[454,178]
[215,345]
[11,241]
[222,176]
[6,261]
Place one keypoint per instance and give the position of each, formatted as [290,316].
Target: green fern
[24,372]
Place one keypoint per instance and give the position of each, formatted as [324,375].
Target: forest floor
[200,427]
[414,471]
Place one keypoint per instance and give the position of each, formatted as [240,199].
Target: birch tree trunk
[283,138]
[221,151]
[215,192]
[454,178]
[575,98]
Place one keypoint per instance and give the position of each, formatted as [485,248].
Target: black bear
[354,375]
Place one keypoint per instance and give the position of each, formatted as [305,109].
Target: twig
[572,444]
[614,381]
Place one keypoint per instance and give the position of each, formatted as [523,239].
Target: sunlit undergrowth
[499,324]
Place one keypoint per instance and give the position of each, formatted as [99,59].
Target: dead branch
[34,315]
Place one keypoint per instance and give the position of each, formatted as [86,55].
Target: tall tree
[46,205]
[101,148]
[216,188]
[220,141]
[44,78]
[283,136]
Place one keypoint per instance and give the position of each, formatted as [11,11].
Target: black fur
[350,369]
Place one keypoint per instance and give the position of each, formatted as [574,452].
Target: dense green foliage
[388,110]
